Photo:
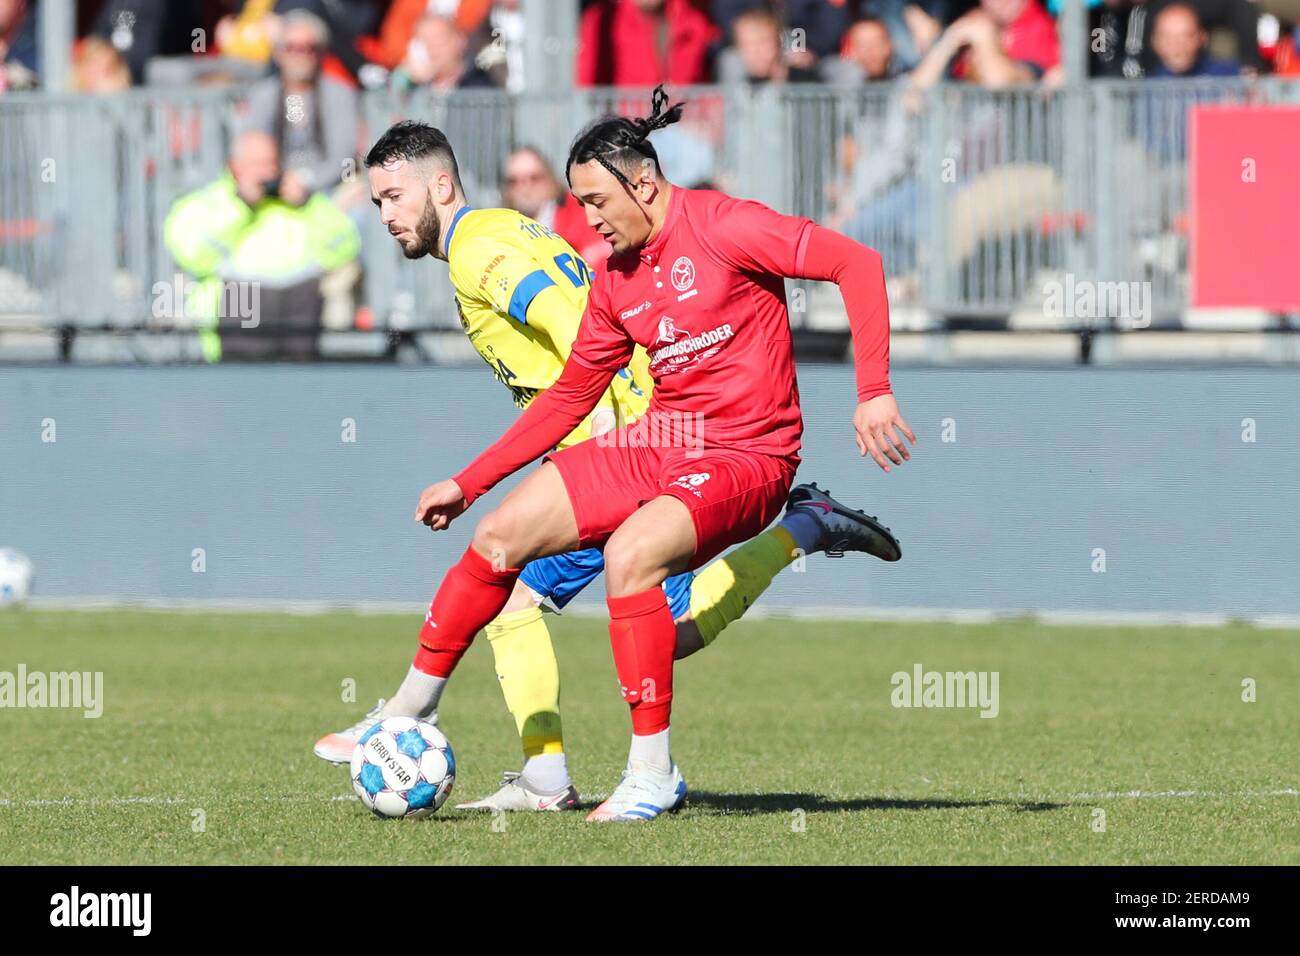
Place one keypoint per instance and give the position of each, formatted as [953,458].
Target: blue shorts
[561,576]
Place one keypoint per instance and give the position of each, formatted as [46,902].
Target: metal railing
[973,197]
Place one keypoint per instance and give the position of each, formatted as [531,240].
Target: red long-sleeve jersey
[706,297]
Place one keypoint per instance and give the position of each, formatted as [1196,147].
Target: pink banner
[1245,207]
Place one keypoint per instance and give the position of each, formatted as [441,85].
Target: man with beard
[521,292]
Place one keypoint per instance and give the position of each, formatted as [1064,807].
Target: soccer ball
[403,767]
[15,577]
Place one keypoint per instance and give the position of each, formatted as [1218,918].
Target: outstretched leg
[534,520]
[524,660]
[721,593]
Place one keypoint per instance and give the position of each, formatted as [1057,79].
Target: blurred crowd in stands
[285,212]
[453,44]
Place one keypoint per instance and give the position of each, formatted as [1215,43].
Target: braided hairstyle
[621,144]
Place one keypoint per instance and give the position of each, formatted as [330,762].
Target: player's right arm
[750,237]
[493,270]
[602,348]
[552,314]
[628,395]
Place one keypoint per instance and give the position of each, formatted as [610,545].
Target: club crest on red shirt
[683,274]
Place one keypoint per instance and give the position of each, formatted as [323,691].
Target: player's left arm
[753,238]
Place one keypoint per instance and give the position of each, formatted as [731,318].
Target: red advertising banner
[1245,207]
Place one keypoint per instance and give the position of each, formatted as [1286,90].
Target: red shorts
[732,495]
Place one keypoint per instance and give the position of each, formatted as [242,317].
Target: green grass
[781,723]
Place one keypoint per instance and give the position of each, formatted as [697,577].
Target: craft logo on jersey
[679,350]
[630,313]
[683,274]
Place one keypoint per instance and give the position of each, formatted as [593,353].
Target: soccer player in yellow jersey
[521,292]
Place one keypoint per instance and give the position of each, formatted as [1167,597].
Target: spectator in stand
[1286,61]
[346,26]
[758,55]
[822,24]
[239,230]
[998,44]
[1128,33]
[397,29]
[97,67]
[1240,18]
[868,46]
[313,118]
[643,43]
[1178,40]
[143,29]
[913,26]
[437,59]
[249,34]
[18,51]
[878,199]
[238,51]
[530,186]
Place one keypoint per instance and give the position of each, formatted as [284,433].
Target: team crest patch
[683,274]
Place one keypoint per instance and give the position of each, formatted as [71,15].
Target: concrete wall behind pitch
[1046,466]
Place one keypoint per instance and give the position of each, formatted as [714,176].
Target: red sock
[643,636]
[472,593]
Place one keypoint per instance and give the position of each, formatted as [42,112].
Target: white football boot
[642,795]
[515,794]
[844,528]
[337,747]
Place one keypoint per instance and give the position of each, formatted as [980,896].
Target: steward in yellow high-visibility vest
[246,246]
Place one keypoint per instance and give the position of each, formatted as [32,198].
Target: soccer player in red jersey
[697,278]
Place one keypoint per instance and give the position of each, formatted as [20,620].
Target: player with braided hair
[521,292]
[697,279]
[618,142]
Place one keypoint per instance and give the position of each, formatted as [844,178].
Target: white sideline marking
[349,797]
[1158,794]
[167,801]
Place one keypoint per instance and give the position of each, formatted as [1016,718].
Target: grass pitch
[1111,746]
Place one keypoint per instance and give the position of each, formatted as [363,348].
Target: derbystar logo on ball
[403,768]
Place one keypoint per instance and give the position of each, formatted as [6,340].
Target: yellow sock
[530,678]
[724,590]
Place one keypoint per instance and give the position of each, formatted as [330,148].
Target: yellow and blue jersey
[521,291]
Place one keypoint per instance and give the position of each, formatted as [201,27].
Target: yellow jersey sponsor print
[521,291]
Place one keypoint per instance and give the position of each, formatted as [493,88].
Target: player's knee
[494,538]
[631,565]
